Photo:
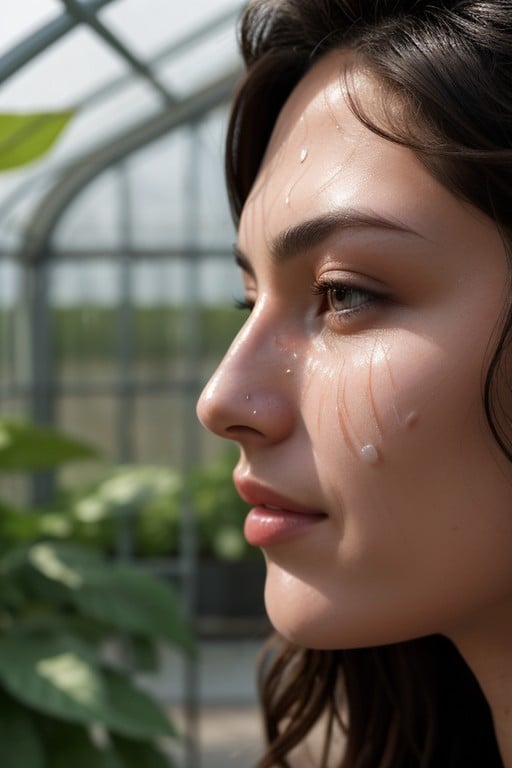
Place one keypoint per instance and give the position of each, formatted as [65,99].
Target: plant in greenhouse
[62,699]
[220,511]
[146,500]
[25,138]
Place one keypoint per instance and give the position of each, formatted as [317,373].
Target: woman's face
[354,389]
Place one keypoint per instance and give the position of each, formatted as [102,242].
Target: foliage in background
[89,333]
[27,137]
[62,699]
[221,512]
[148,500]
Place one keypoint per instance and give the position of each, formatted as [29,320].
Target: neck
[487,649]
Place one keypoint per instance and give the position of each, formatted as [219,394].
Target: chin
[307,617]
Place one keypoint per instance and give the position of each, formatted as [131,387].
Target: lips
[274,518]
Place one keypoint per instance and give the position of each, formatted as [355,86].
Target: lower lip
[264,527]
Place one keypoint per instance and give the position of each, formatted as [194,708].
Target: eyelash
[327,287]
[243,304]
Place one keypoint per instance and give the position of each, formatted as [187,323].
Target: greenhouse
[116,302]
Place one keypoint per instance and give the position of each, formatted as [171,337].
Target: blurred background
[117,291]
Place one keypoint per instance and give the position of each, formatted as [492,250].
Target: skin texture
[373,417]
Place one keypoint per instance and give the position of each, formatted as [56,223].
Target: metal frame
[36,252]
[82,172]
[41,40]
[84,14]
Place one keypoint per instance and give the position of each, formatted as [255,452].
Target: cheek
[397,417]
[366,397]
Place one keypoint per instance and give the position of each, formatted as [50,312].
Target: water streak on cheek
[404,420]
[365,409]
[375,354]
[394,392]
[343,414]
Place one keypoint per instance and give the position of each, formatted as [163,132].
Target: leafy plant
[220,510]
[62,698]
[27,137]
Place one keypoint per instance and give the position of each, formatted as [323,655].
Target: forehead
[321,155]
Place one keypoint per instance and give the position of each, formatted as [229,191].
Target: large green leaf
[20,745]
[61,677]
[70,745]
[134,602]
[25,446]
[56,675]
[139,755]
[26,137]
[124,598]
[132,712]
[144,653]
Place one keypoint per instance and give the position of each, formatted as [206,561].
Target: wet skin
[354,389]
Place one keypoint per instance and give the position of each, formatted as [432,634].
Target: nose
[250,397]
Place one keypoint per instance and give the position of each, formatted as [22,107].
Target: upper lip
[258,494]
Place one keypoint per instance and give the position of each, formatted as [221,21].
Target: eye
[341,298]
[243,304]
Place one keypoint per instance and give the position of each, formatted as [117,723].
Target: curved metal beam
[106,90]
[40,40]
[84,14]
[80,174]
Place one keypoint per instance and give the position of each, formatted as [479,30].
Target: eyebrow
[301,238]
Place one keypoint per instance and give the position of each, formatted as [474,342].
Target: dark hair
[414,704]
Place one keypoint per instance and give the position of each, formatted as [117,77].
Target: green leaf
[70,745]
[134,602]
[132,712]
[18,525]
[25,446]
[20,745]
[136,754]
[61,677]
[64,562]
[55,675]
[126,490]
[125,598]
[144,654]
[26,137]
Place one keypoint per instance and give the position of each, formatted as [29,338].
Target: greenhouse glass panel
[45,83]
[92,220]
[196,65]
[22,19]
[138,25]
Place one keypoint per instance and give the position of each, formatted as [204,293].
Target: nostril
[239,431]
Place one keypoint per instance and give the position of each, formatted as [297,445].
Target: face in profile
[380,498]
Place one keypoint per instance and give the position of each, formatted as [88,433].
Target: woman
[370,170]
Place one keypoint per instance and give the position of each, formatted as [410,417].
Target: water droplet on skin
[287,199]
[303,154]
[254,413]
[247,397]
[411,419]
[370,454]
[288,371]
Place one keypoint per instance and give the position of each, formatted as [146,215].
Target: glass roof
[123,65]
